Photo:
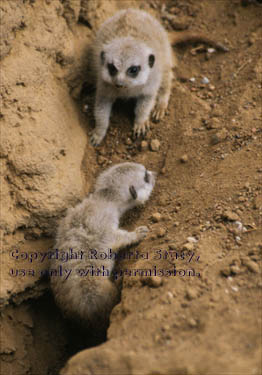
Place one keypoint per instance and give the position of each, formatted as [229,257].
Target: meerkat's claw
[141,232]
[159,111]
[141,129]
[96,139]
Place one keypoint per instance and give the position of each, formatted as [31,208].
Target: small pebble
[205,80]
[192,79]
[189,246]
[231,216]
[154,145]
[191,293]
[252,39]
[101,160]
[165,328]
[251,265]
[226,271]
[220,136]
[156,217]
[257,203]
[144,146]
[184,158]
[153,281]
[170,295]
[128,141]
[192,239]
[214,140]
[192,322]
[211,50]
[235,269]
[85,108]
[240,227]
[161,232]
[241,199]
[179,25]
[148,134]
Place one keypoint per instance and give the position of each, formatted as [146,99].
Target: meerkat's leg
[163,95]
[124,238]
[144,106]
[103,108]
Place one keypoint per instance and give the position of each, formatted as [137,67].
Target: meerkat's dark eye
[133,192]
[112,69]
[102,57]
[151,60]
[147,177]
[133,71]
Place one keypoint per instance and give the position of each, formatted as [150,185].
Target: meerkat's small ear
[133,191]
[102,57]
[151,60]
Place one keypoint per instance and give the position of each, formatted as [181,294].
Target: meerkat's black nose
[119,85]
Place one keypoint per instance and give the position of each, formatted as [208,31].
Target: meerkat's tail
[186,37]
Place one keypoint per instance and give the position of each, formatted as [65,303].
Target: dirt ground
[204,214]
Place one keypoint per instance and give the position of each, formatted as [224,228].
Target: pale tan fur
[129,38]
[134,38]
[94,225]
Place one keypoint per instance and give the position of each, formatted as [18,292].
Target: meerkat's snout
[145,192]
[120,85]
[133,183]
[141,193]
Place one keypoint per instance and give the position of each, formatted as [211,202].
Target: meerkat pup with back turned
[92,227]
[132,57]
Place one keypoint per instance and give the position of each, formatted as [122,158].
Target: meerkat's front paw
[96,138]
[141,129]
[159,111]
[141,232]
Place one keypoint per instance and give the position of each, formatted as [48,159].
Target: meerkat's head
[126,184]
[126,63]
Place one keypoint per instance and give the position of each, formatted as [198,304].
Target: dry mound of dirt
[201,313]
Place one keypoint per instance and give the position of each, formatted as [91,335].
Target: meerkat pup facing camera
[132,57]
[92,228]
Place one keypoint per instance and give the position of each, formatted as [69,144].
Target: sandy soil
[207,203]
